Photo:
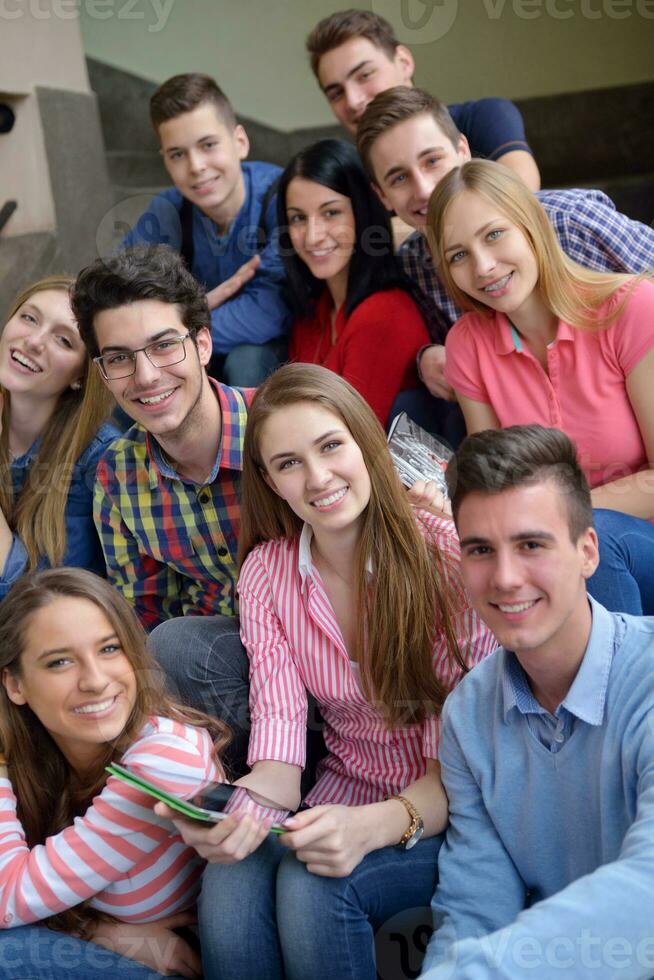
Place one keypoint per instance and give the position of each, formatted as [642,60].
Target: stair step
[136,168]
[24,259]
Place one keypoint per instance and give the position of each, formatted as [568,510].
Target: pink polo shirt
[583,392]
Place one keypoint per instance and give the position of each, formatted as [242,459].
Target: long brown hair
[48,792]
[38,515]
[411,595]
[572,292]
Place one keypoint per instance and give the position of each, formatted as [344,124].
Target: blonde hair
[572,292]
[411,596]
[49,793]
[38,515]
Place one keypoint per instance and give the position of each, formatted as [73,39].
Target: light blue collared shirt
[547,869]
[584,701]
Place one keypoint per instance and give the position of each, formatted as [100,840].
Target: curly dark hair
[137,273]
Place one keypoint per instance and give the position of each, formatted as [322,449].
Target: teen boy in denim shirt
[221,216]
[547,747]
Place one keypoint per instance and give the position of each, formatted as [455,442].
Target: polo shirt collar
[230,450]
[508,340]
[586,698]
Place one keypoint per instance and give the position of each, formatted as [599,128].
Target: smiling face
[489,257]
[522,572]
[163,399]
[312,462]
[41,352]
[322,229]
[75,677]
[203,159]
[409,160]
[355,72]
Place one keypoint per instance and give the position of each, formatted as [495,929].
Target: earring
[76,385]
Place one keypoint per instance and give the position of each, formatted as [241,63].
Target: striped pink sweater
[130,862]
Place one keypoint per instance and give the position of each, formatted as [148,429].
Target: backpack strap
[186,219]
[262,234]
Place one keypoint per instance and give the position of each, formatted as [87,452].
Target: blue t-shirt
[492,127]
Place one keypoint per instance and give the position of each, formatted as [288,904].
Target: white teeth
[156,398]
[88,709]
[25,361]
[322,251]
[517,606]
[326,501]
[500,284]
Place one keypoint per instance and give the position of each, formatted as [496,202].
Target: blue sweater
[258,312]
[547,870]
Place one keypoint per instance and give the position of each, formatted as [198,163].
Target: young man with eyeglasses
[167,497]
[167,493]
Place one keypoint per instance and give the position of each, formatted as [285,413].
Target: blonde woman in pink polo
[551,342]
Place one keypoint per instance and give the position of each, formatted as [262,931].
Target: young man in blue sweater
[221,216]
[547,747]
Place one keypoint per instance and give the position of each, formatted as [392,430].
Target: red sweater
[375,349]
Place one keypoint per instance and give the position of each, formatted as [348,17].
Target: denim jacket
[83,548]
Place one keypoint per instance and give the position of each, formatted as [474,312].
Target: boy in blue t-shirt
[221,216]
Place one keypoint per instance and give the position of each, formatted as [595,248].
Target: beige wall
[40,45]
[463,49]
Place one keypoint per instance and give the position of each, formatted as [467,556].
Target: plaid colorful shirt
[589,229]
[170,545]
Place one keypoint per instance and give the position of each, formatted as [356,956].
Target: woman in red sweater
[356,312]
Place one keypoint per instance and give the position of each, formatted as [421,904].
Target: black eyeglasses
[122,363]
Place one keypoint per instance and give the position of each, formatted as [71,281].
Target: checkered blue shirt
[590,231]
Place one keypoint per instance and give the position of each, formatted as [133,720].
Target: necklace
[319,559]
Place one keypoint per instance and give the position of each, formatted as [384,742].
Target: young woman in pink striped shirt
[81,852]
[348,594]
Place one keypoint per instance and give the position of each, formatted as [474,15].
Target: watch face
[415,837]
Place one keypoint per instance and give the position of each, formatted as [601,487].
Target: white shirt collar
[305,560]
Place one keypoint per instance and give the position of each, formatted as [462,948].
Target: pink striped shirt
[120,854]
[295,645]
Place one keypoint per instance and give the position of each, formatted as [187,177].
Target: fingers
[180,959]
[189,964]
[225,842]
[426,494]
[245,839]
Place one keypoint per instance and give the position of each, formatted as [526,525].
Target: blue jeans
[38,953]
[624,580]
[268,918]
[207,668]
[247,365]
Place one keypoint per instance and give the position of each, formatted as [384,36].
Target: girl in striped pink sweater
[81,852]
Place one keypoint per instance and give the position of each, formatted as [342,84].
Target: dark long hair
[373,266]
